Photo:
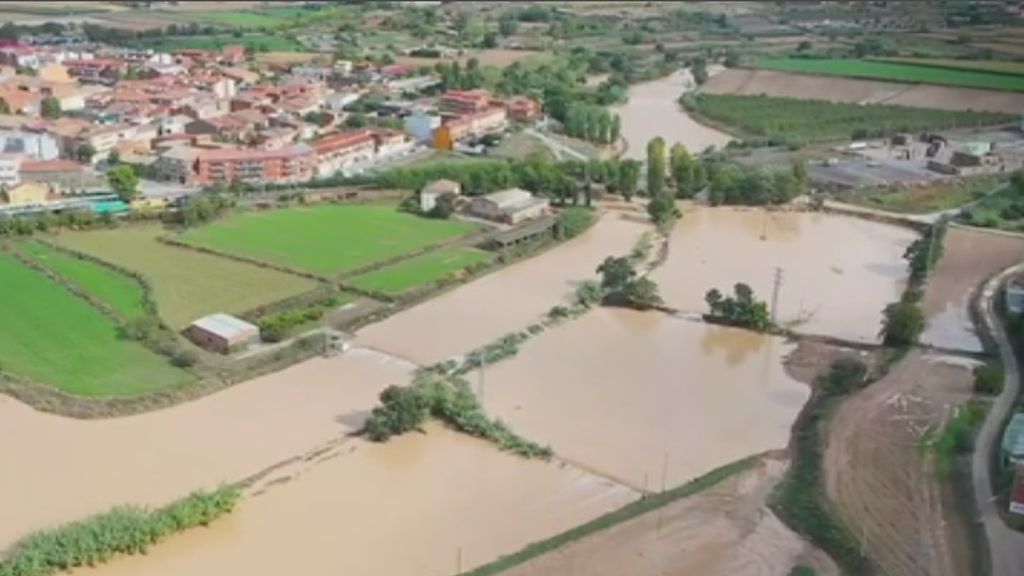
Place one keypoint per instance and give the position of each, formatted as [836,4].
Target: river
[653,110]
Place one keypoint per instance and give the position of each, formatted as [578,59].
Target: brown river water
[649,400]
[653,110]
[629,400]
[838,272]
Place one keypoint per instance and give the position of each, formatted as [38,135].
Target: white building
[431,192]
[36,145]
[10,164]
[510,206]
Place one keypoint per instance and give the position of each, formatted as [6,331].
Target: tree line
[593,123]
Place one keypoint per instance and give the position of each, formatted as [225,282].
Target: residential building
[522,108]
[413,84]
[26,193]
[10,164]
[431,192]
[465,101]
[470,126]
[177,164]
[291,164]
[35,144]
[346,152]
[223,333]
[391,143]
[510,206]
[99,70]
[232,54]
[61,175]
[238,126]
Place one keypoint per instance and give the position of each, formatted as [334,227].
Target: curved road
[1006,547]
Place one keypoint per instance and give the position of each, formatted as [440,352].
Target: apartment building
[291,164]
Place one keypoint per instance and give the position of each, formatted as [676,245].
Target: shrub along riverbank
[122,530]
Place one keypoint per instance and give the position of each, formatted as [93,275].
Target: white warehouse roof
[226,326]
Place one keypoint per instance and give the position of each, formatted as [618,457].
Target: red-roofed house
[522,108]
[232,54]
[344,151]
[61,175]
[465,101]
[290,164]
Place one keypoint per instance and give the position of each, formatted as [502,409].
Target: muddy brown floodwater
[649,400]
[838,272]
[508,300]
[64,469]
[428,504]
[970,256]
[653,110]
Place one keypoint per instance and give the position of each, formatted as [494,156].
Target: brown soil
[838,89]
[970,257]
[881,480]
[725,531]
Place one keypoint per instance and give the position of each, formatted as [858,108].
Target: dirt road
[724,531]
[1006,547]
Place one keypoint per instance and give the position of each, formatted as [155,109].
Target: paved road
[1006,547]
[556,146]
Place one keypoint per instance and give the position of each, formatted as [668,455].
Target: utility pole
[775,294]
[483,364]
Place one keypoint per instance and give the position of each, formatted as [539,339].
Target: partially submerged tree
[741,309]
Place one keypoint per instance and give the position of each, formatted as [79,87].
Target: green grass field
[989,66]
[265,18]
[186,284]
[53,337]
[896,72]
[122,293]
[326,239]
[420,270]
[264,42]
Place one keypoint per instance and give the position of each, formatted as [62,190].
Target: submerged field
[326,239]
[186,284]
[420,270]
[898,72]
[53,337]
[795,120]
[122,293]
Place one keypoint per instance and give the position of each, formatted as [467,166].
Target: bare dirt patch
[837,89]
[881,480]
[969,257]
[724,531]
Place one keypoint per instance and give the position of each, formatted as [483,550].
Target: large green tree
[124,182]
[50,107]
[655,167]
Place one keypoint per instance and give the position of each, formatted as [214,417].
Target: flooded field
[68,469]
[430,504]
[653,110]
[970,256]
[508,300]
[725,531]
[649,400]
[838,272]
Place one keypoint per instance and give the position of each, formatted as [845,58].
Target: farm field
[265,18]
[122,293]
[998,66]
[840,89]
[420,270]
[186,284]
[794,120]
[924,199]
[51,336]
[326,239]
[895,72]
[263,42]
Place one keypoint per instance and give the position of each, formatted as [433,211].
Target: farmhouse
[431,192]
[510,206]
[222,333]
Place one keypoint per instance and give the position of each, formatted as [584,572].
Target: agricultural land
[898,72]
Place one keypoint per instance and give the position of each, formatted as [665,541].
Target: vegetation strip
[624,514]
[125,530]
[794,122]
[800,500]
